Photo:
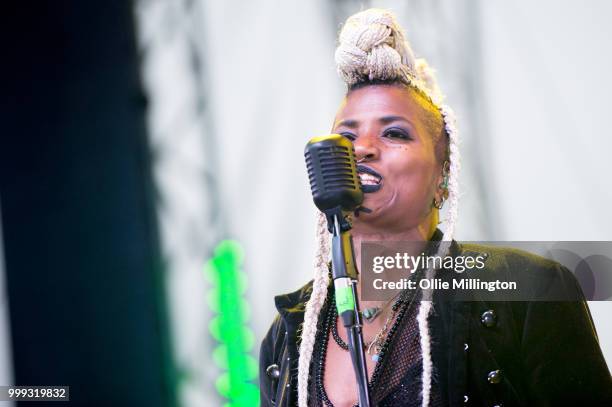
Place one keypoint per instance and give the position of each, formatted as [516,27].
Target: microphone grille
[332,172]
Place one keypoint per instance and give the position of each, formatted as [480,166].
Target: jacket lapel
[291,307]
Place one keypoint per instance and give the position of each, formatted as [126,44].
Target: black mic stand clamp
[344,274]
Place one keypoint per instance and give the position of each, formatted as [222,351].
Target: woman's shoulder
[294,299]
[291,308]
[544,276]
[499,258]
[498,255]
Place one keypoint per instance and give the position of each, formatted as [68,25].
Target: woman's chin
[367,212]
[378,211]
[374,205]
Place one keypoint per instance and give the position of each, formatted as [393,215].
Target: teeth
[367,179]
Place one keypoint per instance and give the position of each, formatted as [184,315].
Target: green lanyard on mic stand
[345,280]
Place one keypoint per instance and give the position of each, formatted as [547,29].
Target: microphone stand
[345,285]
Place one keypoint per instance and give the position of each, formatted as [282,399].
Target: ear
[442,181]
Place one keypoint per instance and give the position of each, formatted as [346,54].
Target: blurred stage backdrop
[152,187]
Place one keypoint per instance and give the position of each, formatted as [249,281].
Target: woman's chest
[339,377]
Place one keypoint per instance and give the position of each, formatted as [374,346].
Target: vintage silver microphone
[336,191]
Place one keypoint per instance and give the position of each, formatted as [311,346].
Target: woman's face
[395,141]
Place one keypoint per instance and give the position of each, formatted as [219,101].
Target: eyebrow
[350,123]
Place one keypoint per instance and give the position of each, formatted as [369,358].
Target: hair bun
[373,47]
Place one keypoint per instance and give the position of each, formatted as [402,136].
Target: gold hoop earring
[438,205]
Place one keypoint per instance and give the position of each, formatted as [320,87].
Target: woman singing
[419,351]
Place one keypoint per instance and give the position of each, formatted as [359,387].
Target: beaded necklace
[378,339]
[401,306]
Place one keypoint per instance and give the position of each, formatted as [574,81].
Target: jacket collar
[291,308]
[294,304]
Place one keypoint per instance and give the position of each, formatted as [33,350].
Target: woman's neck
[363,233]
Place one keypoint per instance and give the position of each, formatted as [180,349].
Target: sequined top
[396,380]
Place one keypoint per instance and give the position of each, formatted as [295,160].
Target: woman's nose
[366,149]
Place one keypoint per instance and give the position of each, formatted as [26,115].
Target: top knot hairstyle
[373,49]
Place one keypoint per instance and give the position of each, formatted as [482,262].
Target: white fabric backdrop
[546,85]
[529,81]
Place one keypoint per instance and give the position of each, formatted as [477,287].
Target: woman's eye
[397,134]
[349,136]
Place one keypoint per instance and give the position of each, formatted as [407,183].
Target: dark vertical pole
[82,255]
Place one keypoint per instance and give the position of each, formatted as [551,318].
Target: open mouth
[371,181]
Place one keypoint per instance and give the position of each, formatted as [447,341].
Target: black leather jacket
[519,353]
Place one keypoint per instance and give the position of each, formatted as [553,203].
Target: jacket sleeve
[267,357]
[563,361]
